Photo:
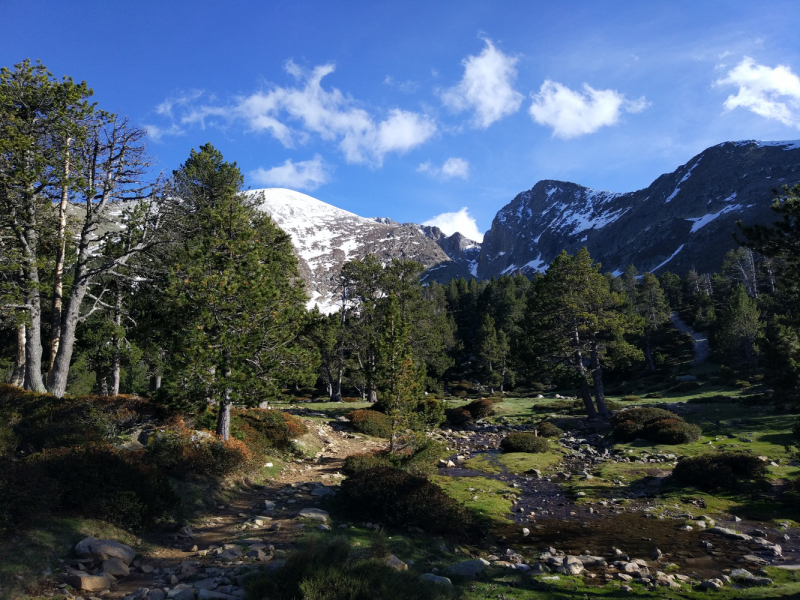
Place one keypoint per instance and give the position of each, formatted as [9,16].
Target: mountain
[683,220]
[325,237]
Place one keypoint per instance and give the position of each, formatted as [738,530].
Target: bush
[94,481]
[672,431]
[655,425]
[524,442]
[548,430]
[655,395]
[371,422]
[264,430]
[686,386]
[393,496]
[423,461]
[458,417]
[631,398]
[716,399]
[185,452]
[330,569]
[719,470]
[480,409]
[355,463]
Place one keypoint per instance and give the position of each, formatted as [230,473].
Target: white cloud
[157,134]
[304,175]
[572,114]
[460,221]
[452,167]
[486,87]
[165,108]
[773,93]
[292,114]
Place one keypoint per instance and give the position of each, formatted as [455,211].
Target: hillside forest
[133,299]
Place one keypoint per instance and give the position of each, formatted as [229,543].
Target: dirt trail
[701,348]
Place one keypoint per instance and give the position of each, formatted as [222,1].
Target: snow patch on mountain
[700,222]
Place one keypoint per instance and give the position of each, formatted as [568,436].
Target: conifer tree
[741,326]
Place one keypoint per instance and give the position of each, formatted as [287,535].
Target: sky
[428,112]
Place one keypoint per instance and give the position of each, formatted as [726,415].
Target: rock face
[684,219]
[325,237]
[105,550]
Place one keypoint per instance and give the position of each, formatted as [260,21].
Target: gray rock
[711,584]
[468,568]
[206,584]
[90,583]
[314,513]
[730,533]
[436,579]
[105,549]
[322,491]
[180,594]
[156,594]
[204,594]
[116,567]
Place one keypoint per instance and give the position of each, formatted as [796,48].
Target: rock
[711,584]
[526,532]
[396,563]
[436,579]
[116,567]
[180,594]
[522,567]
[570,568]
[268,465]
[322,491]
[209,595]
[315,514]
[686,528]
[105,549]
[323,527]
[156,594]
[624,577]
[231,554]
[656,554]
[626,588]
[468,568]
[90,583]
[730,533]
[146,568]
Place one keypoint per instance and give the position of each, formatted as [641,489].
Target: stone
[526,532]
[626,588]
[116,567]
[315,514]
[90,583]
[711,584]
[323,527]
[269,505]
[146,568]
[321,491]
[624,577]
[180,594]
[206,584]
[209,595]
[156,594]
[436,579]
[655,554]
[468,568]
[396,563]
[730,533]
[522,567]
[231,553]
[571,568]
[105,549]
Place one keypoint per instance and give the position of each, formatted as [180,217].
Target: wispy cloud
[157,134]
[487,87]
[773,93]
[304,175]
[460,221]
[572,114]
[452,167]
[292,114]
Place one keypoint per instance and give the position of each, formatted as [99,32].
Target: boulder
[730,533]
[468,568]
[156,594]
[571,568]
[105,549]
[396,563]
[322,491]
[711,584]
[314,513]
[436,579]
[204,594]
[90,583]
[116,567]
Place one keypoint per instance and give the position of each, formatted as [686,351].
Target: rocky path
[701,347]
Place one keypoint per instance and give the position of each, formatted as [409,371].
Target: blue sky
[412,109]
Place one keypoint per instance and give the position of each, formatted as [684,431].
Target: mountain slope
[683,220]
[325,237]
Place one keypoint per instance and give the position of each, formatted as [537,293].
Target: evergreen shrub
[631,398]
[672,431]
[395,497]
[524,442]
[653,424]
[719,470]
[458,417]
[655,395]
[548,430]
[331,569]
[686,386]
[184,452]
[371,422]
[480,409]
[355,463]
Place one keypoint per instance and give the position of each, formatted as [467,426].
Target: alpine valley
[683,220]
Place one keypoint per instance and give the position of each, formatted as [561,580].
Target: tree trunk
[116,341]
[373,394]
[101,382]
[58,275]
[337,386]
[597,377]
[648,354]
[155,383]
[57,378]
[18,374]
[585,393]
[224,420]
[33,341]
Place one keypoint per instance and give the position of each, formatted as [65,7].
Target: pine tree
[741,326]
[651,306]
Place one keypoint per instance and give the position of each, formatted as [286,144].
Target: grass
[514,462]
[494,498]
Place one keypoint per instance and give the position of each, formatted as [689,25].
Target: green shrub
[458,417]
[355,463]
[264,430]
[330,569]
[371,422]
[685,386]
[548,430]
[480,409]
[716,399]
[94,481]
[672,431]
[719,470]
[655,395]
[184,452]
[631,398]
[653,424]
[423,460]
[524,442]
[396,497]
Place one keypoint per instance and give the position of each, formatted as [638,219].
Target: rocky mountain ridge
[683,220]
